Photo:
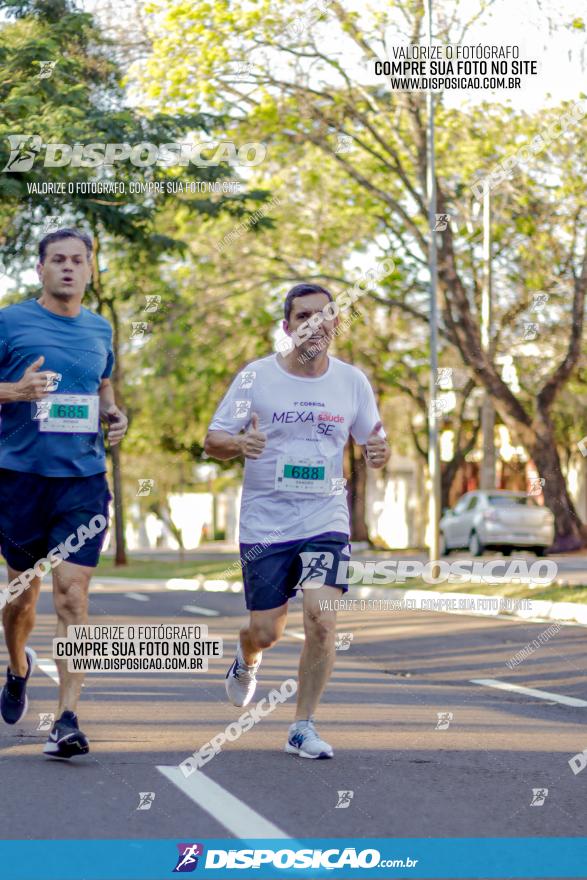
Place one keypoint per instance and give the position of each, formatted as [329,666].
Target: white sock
[241,659]
[304,721]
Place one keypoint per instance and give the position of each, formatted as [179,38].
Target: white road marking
[295,635]
[139,597]
[49,668]
[184,584]
[197,609]
[236,816]
[529,692]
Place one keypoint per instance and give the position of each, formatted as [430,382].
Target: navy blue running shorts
[38,513]
[273,574]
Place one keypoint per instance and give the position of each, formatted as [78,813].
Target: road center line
[295,635]
[138,597]
[236,816]
[529,692]
[197,609]
[49,668]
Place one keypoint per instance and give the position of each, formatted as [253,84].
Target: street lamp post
[487,410]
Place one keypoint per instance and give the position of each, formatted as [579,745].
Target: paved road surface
[408,778]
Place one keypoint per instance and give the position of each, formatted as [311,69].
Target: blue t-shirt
[80,349]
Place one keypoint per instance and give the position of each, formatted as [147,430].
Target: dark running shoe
[66,739]
[13,700]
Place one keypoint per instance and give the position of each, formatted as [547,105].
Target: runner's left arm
[117,421]
[367,429]
[376,450]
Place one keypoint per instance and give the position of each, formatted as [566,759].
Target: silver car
[497,519]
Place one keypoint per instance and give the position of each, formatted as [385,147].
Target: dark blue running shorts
[271,575]
[37,513]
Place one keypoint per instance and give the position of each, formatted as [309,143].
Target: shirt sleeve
[109,361]
[236,407]
[367,414]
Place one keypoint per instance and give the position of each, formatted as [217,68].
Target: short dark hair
[60,234]
[302,290]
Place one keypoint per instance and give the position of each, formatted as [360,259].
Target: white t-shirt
[295,488]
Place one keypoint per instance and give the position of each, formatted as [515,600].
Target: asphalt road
[408,778]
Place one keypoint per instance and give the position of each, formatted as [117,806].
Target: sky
[542,34]
[561,52]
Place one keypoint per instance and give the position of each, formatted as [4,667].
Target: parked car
[499,520]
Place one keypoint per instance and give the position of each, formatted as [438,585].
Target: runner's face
[66,270]
[303,307]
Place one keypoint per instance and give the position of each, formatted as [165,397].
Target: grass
[553,592]
[147,568]
[154,568]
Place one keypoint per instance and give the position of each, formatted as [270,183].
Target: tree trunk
[570,533]
[121,558]
[120,544]
[535,434]
[451,468]
[447,478]
[119,536]
[161,509]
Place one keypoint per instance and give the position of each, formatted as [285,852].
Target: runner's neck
[313,368]
[69,308]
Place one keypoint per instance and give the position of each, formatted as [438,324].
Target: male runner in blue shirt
[55,362]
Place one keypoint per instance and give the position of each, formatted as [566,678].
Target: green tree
[82,101]
[297,92]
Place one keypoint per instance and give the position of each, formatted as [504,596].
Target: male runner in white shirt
[290,416]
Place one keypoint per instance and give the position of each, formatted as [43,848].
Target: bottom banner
[529,857]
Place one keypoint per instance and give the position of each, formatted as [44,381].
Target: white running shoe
[303,740]
[241,681]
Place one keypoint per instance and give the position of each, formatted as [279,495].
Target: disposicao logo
[26,148]
[187,859]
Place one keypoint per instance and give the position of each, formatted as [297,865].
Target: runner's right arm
[31,386]
[223,446]
[227,436]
